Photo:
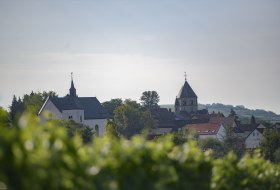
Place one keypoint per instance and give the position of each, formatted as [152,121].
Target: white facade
[253,140]
[50,110]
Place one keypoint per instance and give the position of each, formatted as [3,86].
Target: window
[96,130]
[70,117]
[253,134]
[81,119]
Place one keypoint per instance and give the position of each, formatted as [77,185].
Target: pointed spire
[185,74]
[72,90]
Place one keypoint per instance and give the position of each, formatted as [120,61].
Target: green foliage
[217,147]
[150,99]
[270,145]
[111,129]
[16,109]
[131,119]
[31,103]
[75,129]
[111,105]
[233,142]
[43,156]
[4,118]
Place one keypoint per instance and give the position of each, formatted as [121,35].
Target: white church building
[84,110]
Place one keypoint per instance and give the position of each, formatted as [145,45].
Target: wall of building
[97,122]
[75,115]
[49,110]
[188,104]
[253,140]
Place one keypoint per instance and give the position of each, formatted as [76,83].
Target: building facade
[84,110]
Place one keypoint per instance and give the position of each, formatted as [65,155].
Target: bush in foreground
[44,157]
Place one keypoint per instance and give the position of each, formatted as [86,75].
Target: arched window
[96,130]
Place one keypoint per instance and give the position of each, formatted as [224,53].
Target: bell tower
[186,100]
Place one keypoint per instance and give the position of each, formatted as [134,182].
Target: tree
[4,117]
[270,145]
[111,129]
[218,147]
[34,101]
[111,105]
[29,103]
[253,120]
[16,109]
[233,142]
[150,99]
[75,129]
[131,119]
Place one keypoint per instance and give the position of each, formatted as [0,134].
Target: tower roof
[186,92]
[72,90]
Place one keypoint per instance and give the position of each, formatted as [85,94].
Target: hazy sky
[118,49]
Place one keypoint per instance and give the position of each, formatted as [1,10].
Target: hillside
[243,112]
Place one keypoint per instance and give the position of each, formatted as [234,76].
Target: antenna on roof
[185,74]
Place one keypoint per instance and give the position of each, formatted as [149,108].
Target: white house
[208,130]
[85,110]
[255,137]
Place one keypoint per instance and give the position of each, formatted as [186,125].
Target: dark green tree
[111,105]
[131,119]
[218,147]
[16,109]
[270,145]
[253,120]
[150,99]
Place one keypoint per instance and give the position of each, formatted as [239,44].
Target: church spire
[72,90]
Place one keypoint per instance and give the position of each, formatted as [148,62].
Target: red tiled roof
[205,128]
[226,121]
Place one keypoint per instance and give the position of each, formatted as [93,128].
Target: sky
[230,50]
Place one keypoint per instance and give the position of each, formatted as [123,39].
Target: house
[225,121]
[207,130]
[84,110]
[253,140]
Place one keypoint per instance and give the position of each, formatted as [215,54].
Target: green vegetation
[149,100]
[43,156]
[131,119]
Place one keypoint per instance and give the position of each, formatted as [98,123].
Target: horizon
[119,49]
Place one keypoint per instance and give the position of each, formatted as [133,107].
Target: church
[84,110]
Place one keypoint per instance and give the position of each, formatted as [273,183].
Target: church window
[96,130]
[70,117]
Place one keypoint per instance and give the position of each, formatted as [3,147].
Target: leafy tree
[34,101]
[131,119]
[178,138]
[150,99]
[75,129]
[111,105]
[4,117]
[111,129]
[218,147]
[233,142]
[270,145]
[30,103]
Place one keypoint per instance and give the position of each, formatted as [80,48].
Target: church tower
[72,90]
[186,100]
